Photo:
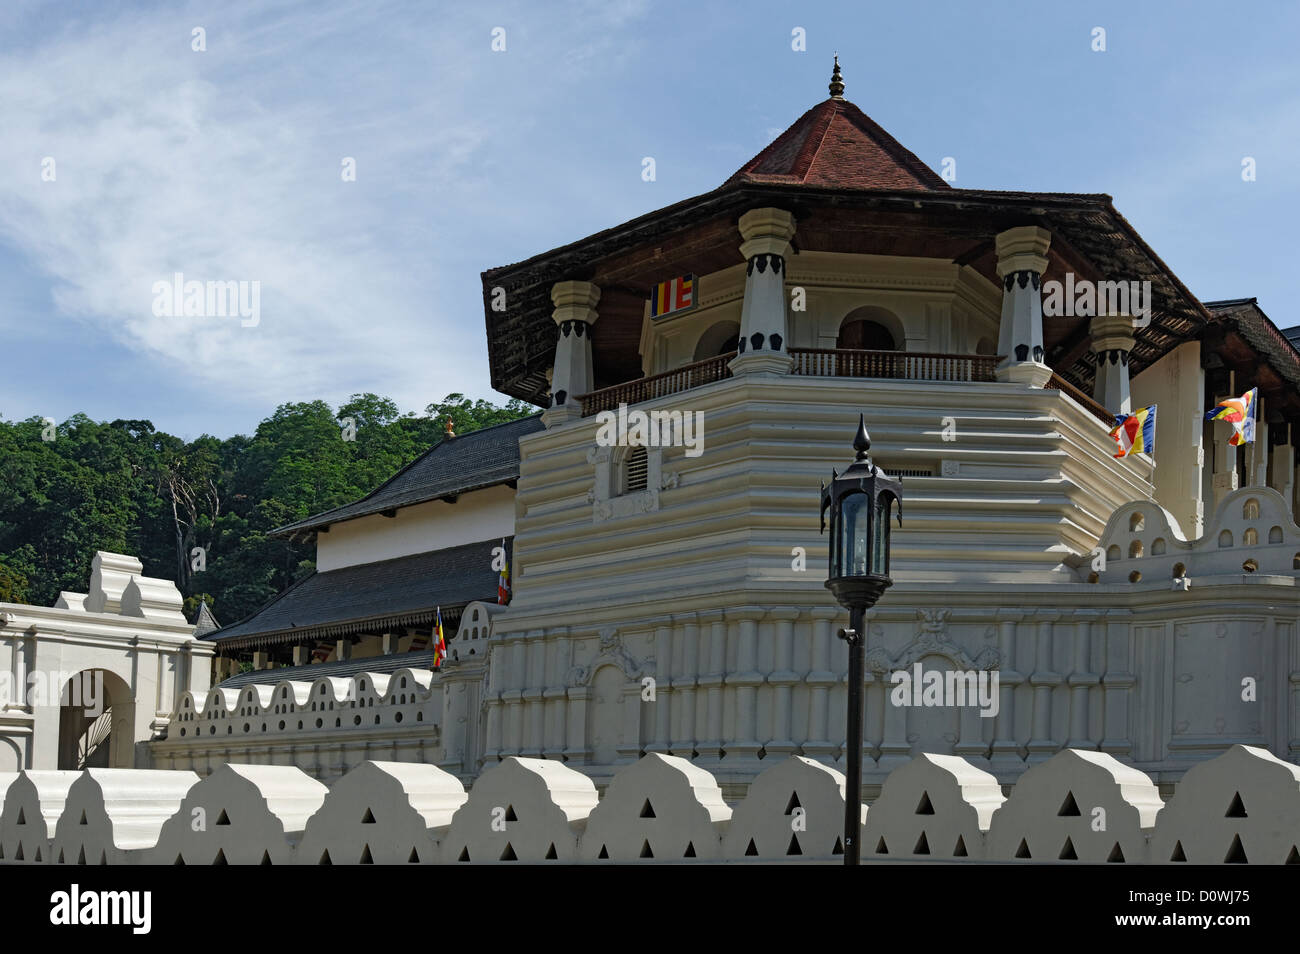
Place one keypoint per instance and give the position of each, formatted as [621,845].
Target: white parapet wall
[240,814]
[936,806]
[1076,806]
[1242,807]
[383,813]
[112,816]
[33,806]
[326,726]
[522,810]
[793,809]
[660,806]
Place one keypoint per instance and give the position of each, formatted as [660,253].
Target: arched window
[635,471]
[861,334]
[721,338]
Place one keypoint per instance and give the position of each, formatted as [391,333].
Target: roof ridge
[835,110]
[316,518]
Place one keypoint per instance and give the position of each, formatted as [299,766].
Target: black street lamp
[859,501]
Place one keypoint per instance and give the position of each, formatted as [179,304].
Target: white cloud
[225,165]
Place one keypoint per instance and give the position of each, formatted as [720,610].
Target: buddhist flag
[1240,413]
[1135,433]
[676,294]
[503,581]
[439,643]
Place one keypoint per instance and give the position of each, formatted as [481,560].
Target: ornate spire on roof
[837,81]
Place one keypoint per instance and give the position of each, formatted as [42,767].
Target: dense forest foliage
[70,489]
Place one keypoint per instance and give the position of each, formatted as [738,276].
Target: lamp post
[859,501]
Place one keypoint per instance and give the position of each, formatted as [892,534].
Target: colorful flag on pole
[1135,433]
[676,294]
[439,643]
[503,581]
[1240,413]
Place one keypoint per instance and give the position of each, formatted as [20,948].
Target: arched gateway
[84,683]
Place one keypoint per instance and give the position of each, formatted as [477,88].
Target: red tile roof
[835,144]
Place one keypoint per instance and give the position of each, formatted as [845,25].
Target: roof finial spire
[837,81]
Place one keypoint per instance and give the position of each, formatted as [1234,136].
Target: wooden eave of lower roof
[699,235]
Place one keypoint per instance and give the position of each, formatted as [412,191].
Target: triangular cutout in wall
[1023,850]
[509,853]
[924,807]
[1236,853]
[1067,851]
[1069,807]
[1236,809]
[922,845]
[647,810]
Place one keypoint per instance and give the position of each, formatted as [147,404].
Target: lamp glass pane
[880,548]
[855,521]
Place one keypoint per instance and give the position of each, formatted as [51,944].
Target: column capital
[1112,333]
[574,301]
[766,232]
[1023,248]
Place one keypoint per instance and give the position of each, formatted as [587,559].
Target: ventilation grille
[637,471]
[907,472]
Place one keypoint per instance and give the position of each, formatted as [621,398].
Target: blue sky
[225,164]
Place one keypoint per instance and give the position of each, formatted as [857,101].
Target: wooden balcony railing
[1059,383]
[905,365]
[658,385]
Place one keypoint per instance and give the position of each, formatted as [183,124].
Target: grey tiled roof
[422,659]
[371,596]
[479,459]
[204,621]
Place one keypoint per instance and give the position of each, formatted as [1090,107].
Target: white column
[1005,749]
[686,653]
[783,680]
[710,748]
[1112,340]
[661,707]
[820,679]
[1044,679]
[764,330]
[1022,259]
[1082,680]
[575,313]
